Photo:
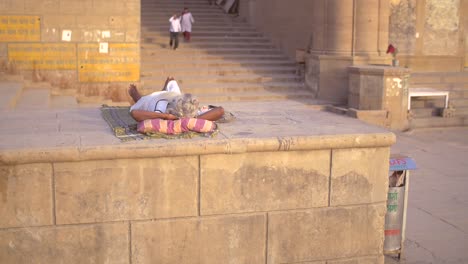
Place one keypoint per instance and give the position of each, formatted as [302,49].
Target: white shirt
[186,21]
[175,24]
[157,101]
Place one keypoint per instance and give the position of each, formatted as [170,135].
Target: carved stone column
[356,33]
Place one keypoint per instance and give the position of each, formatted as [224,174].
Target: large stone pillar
[356,33]
[339,27]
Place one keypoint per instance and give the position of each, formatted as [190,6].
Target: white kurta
[174,24]
[157,101]
[187,21]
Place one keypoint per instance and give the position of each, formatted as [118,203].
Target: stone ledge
[173,149]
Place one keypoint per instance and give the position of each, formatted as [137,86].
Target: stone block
[112,190]
[58,22]
[26,195]
[12,7]
[353,101]
[76,7]
[92,21]
[326,233]
[103,7]
[133,7]
[132,22]
[3,50]
[359,260]
[51,35]
[233,239]
[132,35]
[118,21]
[43,7]
[359,176]
[107,243]
[374,117]
[117,35]
[333,87]
[264,181]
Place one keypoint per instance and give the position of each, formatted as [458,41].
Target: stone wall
[89,45]
[429,34]
[302,206]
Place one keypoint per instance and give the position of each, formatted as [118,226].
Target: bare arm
[140,115]
[213,115]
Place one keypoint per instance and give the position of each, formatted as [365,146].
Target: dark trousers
[187,35]
[174,38]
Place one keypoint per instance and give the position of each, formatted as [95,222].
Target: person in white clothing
[174,30]
[186,21]
[170,104]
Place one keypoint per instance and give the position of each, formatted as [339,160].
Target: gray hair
[185,105]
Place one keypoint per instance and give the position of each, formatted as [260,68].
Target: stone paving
[437,223]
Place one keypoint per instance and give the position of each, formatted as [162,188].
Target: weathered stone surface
[376,117]
[78,244]
[97,191]
[402,25]
[234,239]
[359,176]
[264,181]
[442,27]
[325,233]
[361,260]
[26,195]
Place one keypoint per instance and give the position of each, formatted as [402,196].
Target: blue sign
[398,163]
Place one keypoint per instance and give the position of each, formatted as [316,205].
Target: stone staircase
[426,111]
[227,60]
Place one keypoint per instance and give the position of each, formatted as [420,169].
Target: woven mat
[125,127]
[121,122]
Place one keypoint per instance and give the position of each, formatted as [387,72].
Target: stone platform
[284,183]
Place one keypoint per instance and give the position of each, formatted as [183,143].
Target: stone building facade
[430,35]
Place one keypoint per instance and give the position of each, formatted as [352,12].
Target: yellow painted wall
[31,39]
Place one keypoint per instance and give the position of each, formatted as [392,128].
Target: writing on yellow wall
[44,56]
[120,64]
[20,28]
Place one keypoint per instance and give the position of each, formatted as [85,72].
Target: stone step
[152,12]
[11,92]
[164,44]
[208,33]
[34,98]
[461,111]
[438,77]
[169,56]
[220,63]
[145,28]
[254,96]
[458,102]
[217,71]
[212,88]
[425,112]
[227,60]
[170,3]
[163,38]
[199,23]
[246,78]
[438,122]
[183,51]
[456,93]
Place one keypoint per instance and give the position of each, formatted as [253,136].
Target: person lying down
[170,104]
